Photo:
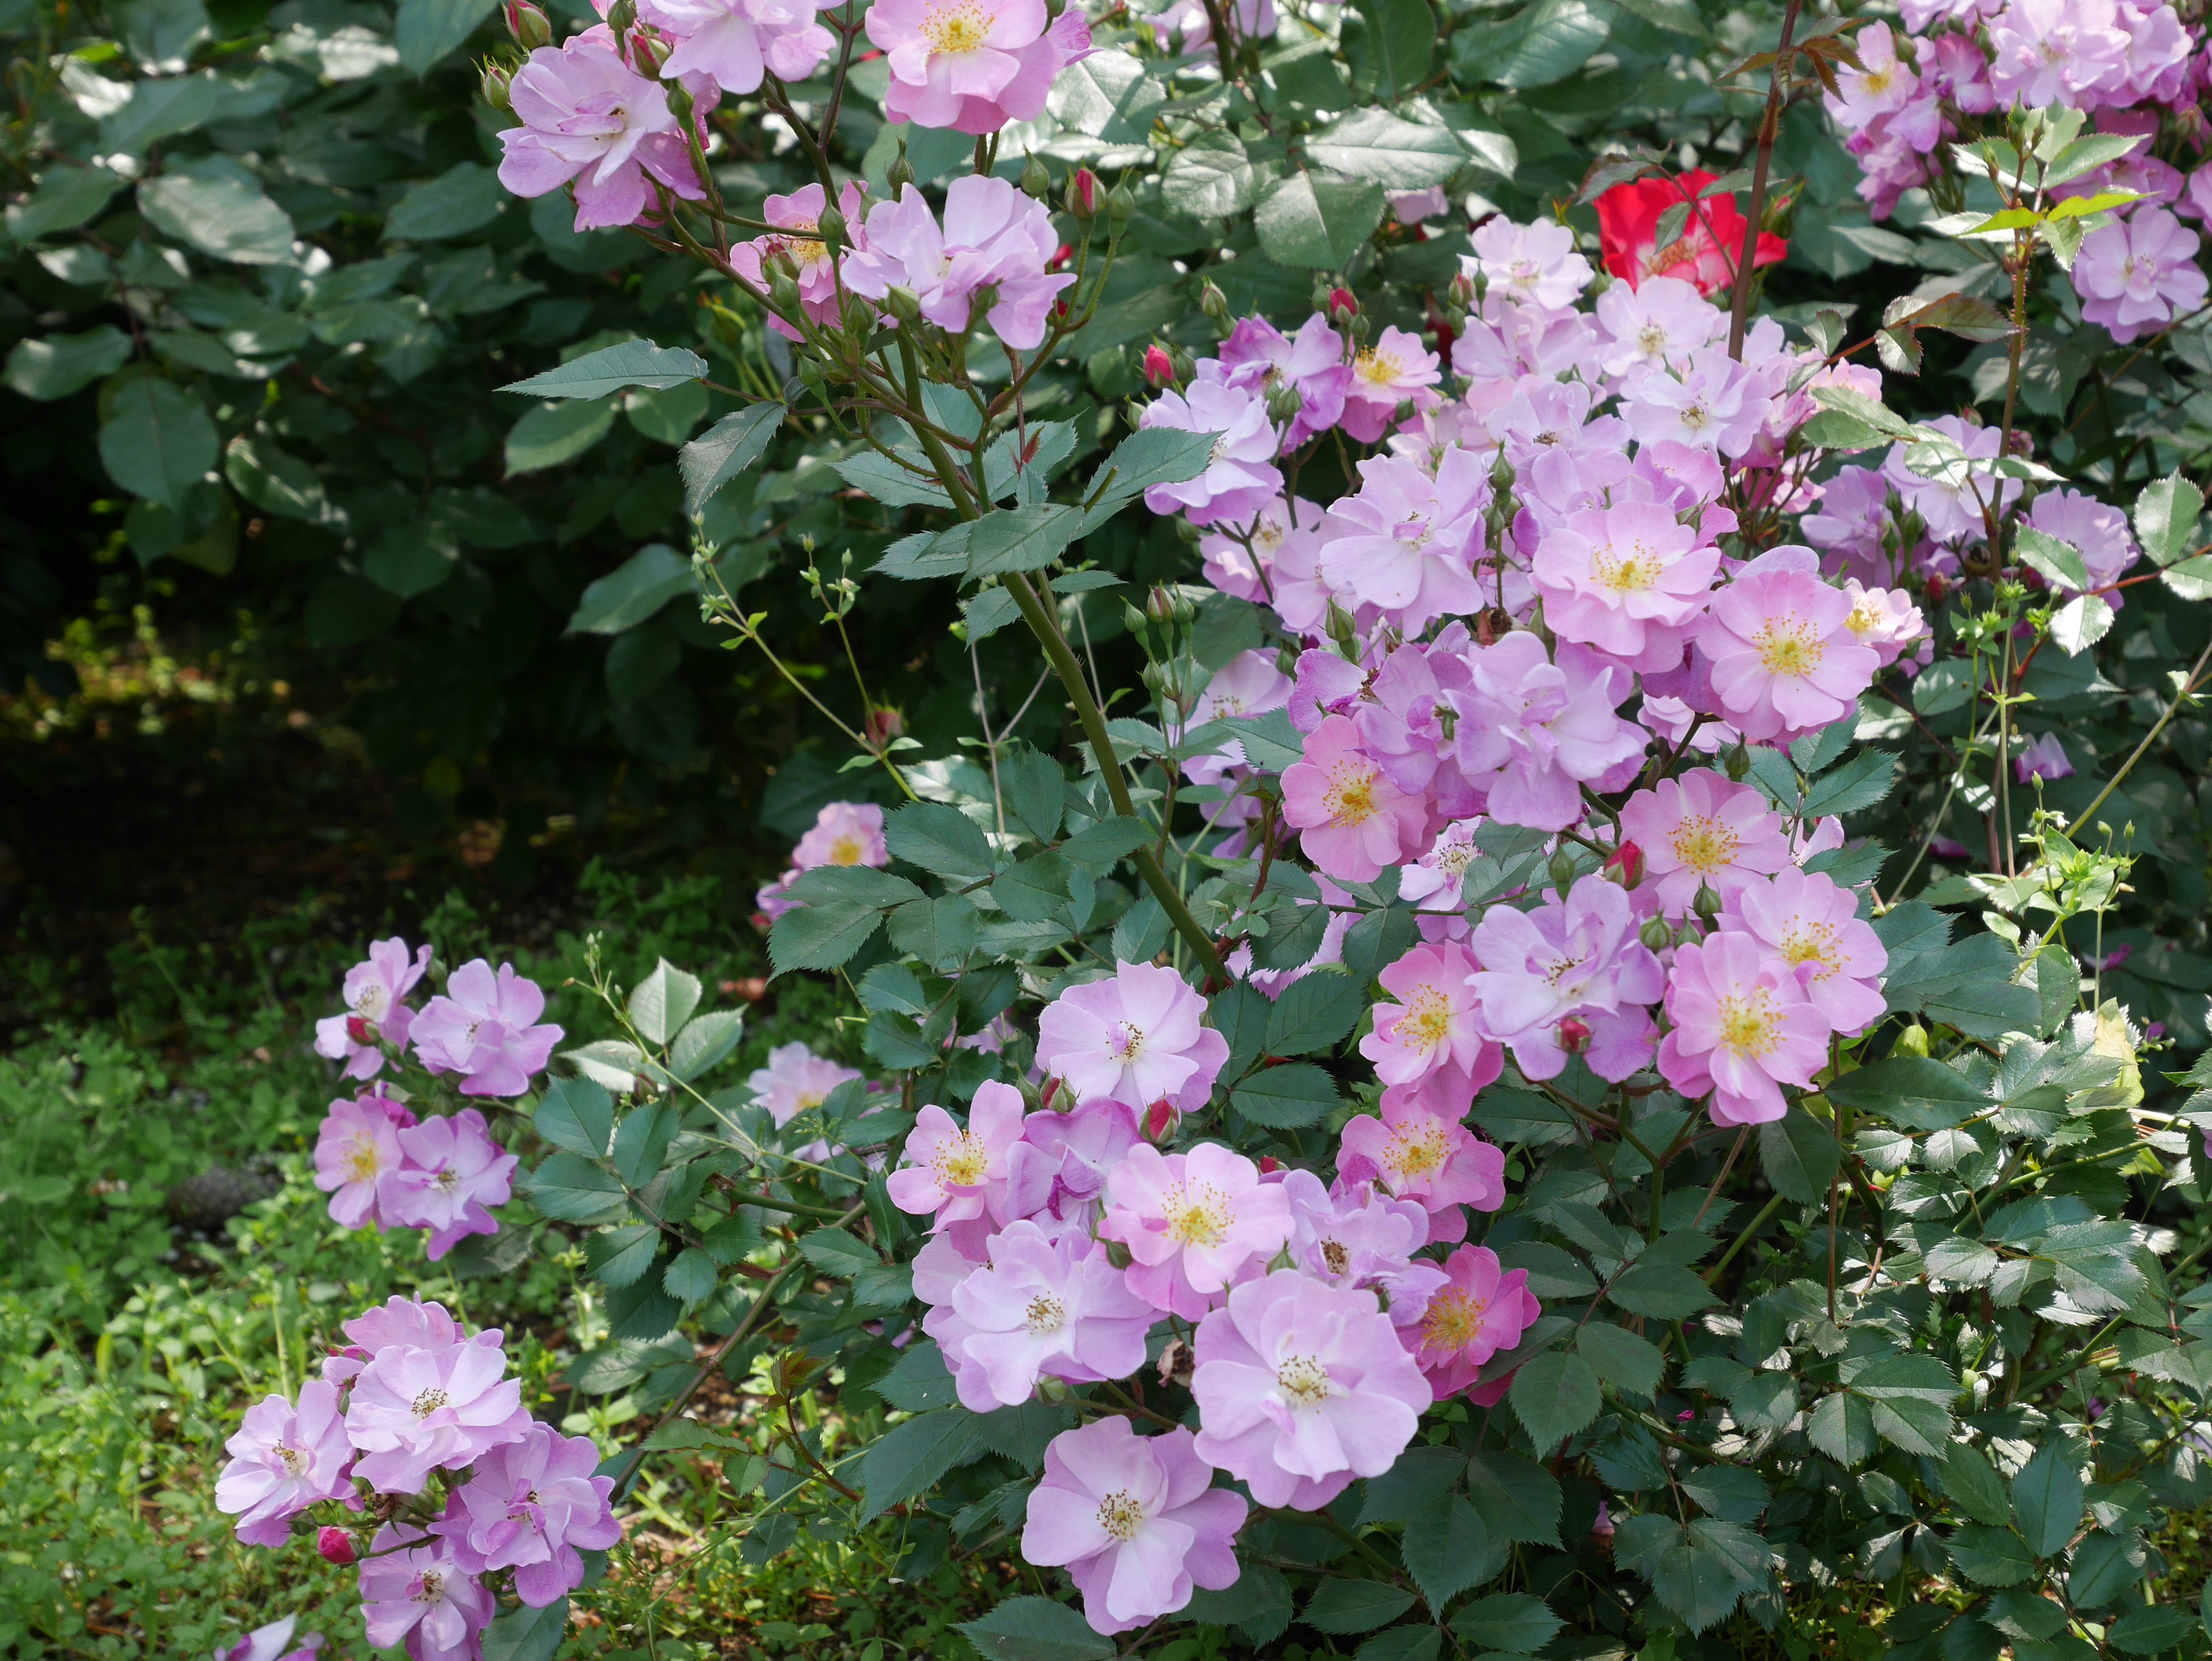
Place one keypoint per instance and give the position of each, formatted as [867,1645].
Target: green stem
[1744,1238]
[2150,738]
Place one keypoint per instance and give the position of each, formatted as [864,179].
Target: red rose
[1706,252]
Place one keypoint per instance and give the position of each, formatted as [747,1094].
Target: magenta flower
[959,1171]
[1045,1307]
[273,1643]
[1194,1222]
[1405,541]
[1785,661]
[414,1411]
[1477,1313]
[844,833]
[357,1154]
[283,1458]
[1302,1387]
[1059,1167]
[1742,1028]
[1541,732]
[733,42]
[2040,758]
[1626,580]
[589,119]
[2138,274]
[1135,1039]
[1353,820]
[942,52]
[1814,926]
[993,237]
[399,1323]
[1433,1027]
[1434,882]
[1354,1237]
[1396,369]
[1240,479]
[1417,1154]
[374,992]
[484,1028]
[453,1172]
[2052,52]
[1951,505]
[1580,961]
[528,1506]
[1701,831]
[422,1589]
[1135,1520]
[1257,357]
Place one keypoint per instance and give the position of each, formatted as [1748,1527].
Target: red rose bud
[360,1030]
[1342,307]
[1159,368]
[885,725]
[648,53]
[1269,1165]
[336,1546]
[1574,1034]
[1160,1119]
[1083,195]
[1624,865]
[1044,1097]
[528,25]
[1937,588]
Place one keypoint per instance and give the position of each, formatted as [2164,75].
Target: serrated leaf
[1973,1485]
[1555,1395]
[1621,1357]
[570,1188]
[627,363]
[940,839]
[2046,1498]
[1991,1556]
[726,449]
[641,1142]
[1149,456]
[1314,1012]
[1911,1090]
[823,936]
[1519,1500]
[1665,1292]
[1510,1624]
[2080,623]
[690,1276]
[617,1257]
[1350,1606]
[2060,562]
[909,1457]
[1314,221]
[2166,517]
[1293,1097]
[576,1114]
[1445,1544]
[1399,155]
[663,1001]
[1800,1156]
[1210,178]
[835,1252]
[704,1041]
[1036,1629]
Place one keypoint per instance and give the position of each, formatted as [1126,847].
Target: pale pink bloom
[1353,820]
[1434,1024]
[484,1028]
[1541,731]
[2196,197]
[2155,184]
[422,1589]
[1135,1520]
[374,993]
[1504,341]
[529,1506]
[1058,1168]
[992,236]
[1302,1386]
[1479,1312]
[1259,357]
[2052,52]
[844,833]
[1582,959]
[1625,580]
[799,216]
[1883,83]
[1700,830]
[1396,369]
[1670,720]
[2094,530]
[1405,541]
[1434,882]
[942,52]
[1528,264]
[2138,274]
[772,900]
[2042,757]
[1343,913]
[283,1458]
[273,1643]
[1418,1154]
[1045,1308]
[1854,512]
[1355,1237]
[1249,20]
[1135,1038]
[589,118]
[1240,479]
[947,1258]
[1742,1028]
[356,1155]
[1951,504]
[1066,39]
[1883,620]
[1244,564]
[959,1171]
[1413,207]
[1713,404]
[414,1411]
[1814,926]
[1656,324]
[1248,686]
[454,1173]
[1194,1222]
[733,42]
[795,1080]
[1785,658]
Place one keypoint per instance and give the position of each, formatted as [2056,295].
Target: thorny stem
[1740,300]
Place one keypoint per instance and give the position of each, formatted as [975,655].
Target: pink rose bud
[1342,307]
[360,1030]
[1083,195]
[648,53]
[528,25]
[1044,1097]
[1624,865]
[885,725]
[1269,1165]
[1159,368]
[336,1546]
[1574,1034]
[1160,1120]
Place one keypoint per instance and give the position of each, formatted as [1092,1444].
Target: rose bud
[336,1546]
[1159,368]
[1160,1121]
[1574,1034]
[1083,195]
[1342,307]
[1624,865]
[528,25]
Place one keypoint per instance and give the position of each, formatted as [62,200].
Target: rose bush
[1309,1169]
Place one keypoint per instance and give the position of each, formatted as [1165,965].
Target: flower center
[1866,618]
[1046,1314]
[1626,573]
[846,850]
[1428,1016]
[1454,858]
[1453,1321]
[1198,1213]
[1695,415]
[374,1003]
[1704,844]
[1126,1043]
[1417,1150]
[963,1161]
[431,1588]
[1377,368]
[430,1401]
[1788,645]
[1652,338]
[1121,1514]
[294,1461]
[1350,797]
[960,27]
[1303,1381]
[361,1164]
[1333,1254]
[1747,1024]
[1811,942]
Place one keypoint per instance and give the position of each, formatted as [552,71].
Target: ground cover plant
[1561,1045]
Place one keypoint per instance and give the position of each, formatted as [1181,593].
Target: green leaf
[641,1142]
[1012,540]
[1258,1605]
[1991,1556]
[1393,50]
[1293,1097]
[465,197]
[1728,1492]
[2104,1566]
[2060,562]
[704,1041]
[1150,456]
[883,480]
[2151,1629]
[1107,842]
[66,198]
[667,416]
[645,582]
[1315,1013]
[1210,178]
[1034,889]
[214,204]
[1519,1500]
[1860,783]
[1621,1357]
[1314,219]
[1420,1477]
[820,936]
[909,1457]
[1665,1292]
[726,449]
[1911,1091]
[578,1115]
[1555,1395]
[1510,1622]
[1036,1629]
[940,839]
[2166,518]
[1800,1156]
[1036,789]
[426,30]
[278,481]
[1348,1606]
[157,440]
[1397,154]
[1107,95]
[1544,43]
[2046,1498]
[528,1633]
[1701,1578]
[663,1001]
[628,363]
[918,1380]
[1444,1548]
[57,365]
[553,434]
[619,1257]
[941,932]
[1402,1644]
[1973,1485]
[835,1252]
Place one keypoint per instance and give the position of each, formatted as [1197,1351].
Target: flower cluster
[417,1421]
[382,1165]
